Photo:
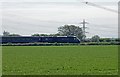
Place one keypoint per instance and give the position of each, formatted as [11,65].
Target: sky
[26,17]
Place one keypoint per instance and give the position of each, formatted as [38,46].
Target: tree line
[71,30]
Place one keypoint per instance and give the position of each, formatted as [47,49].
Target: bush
[61,44]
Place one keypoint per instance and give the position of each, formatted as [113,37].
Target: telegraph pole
[84,28]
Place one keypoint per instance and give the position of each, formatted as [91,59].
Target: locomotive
[39,39]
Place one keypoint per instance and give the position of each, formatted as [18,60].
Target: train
[39,39]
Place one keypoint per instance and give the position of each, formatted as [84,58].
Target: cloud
[33,17]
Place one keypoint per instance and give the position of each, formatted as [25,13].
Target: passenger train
[39,39]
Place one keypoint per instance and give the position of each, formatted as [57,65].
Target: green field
[60,60]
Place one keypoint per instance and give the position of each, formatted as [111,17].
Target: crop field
[60,60]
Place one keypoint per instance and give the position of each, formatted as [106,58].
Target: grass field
[60,60]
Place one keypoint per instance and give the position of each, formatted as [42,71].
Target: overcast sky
[27,17]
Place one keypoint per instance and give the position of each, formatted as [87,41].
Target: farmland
[60,60]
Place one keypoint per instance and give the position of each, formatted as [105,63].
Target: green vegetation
[62,60]
[61,44]
[0,60]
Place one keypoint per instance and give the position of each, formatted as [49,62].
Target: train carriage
[44,39]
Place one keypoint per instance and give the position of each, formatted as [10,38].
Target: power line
[98,6]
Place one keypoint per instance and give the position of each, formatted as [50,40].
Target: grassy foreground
[60,60]
[0,61]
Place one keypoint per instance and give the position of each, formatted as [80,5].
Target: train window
[62,38]
[75,39]
[46,38]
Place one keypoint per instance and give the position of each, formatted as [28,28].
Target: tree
[44,35]
[54,35]
[5,33]
[71,30]
[14,35]
[117,39]
[40,35]
[95,38]
[36,35]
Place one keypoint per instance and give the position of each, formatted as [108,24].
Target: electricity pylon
[84,28]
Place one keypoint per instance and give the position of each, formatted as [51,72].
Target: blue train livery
[43,39]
